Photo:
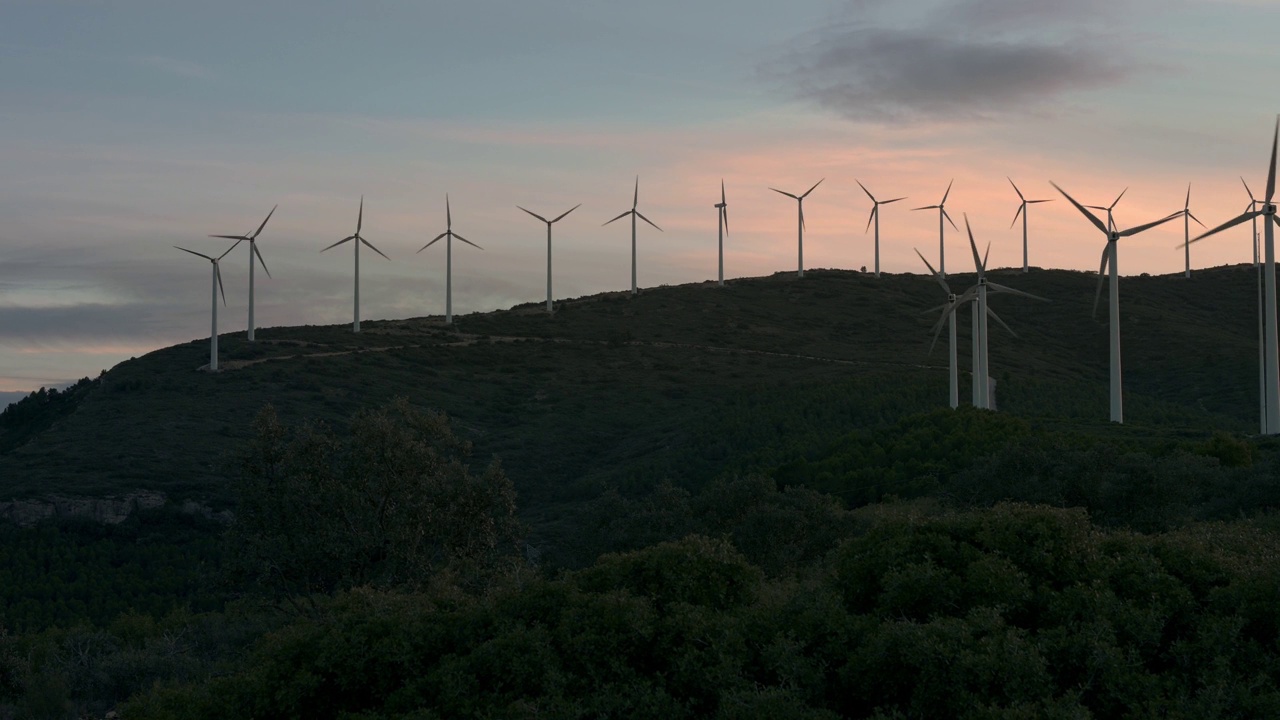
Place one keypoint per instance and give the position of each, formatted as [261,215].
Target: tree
[388,503]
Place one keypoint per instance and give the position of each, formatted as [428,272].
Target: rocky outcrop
[106,510]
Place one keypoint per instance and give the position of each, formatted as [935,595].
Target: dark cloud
[962,60]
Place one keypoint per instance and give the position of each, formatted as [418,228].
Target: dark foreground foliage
[1013,611]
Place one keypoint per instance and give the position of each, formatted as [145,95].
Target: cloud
[958,60]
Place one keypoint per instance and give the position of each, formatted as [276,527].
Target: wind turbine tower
[1271,393]
[634,213]
[1110,258]
[549,224]
[1187,217]
[875,217]
[941,207]
[722,221]
[358,238]
[254,253]
[216,282]
[1022,210]
[949,317]
[800,223]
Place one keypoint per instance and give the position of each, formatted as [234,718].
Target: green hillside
[680,382]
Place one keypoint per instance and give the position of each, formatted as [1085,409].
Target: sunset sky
[131,126]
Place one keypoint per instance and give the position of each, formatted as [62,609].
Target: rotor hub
[1268,209]
[951,297]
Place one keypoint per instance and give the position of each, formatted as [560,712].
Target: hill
[682,383]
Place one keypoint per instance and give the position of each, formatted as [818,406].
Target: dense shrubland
[951,564]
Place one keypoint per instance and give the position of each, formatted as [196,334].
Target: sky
[132,126]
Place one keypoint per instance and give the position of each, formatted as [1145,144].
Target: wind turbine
[1187,217]
[634,213]
[942,213]
[252,239]
[800,223]
[875,216]
[722,221]
[216,283]
[1253,205]
[1109,257]
[1022,210]
[355,326]
[1111,223]
[949,317]
[448,235]
[1262,359]
[1271,393]
[549,224]
[982,368]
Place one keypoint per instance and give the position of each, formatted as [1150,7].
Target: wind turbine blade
[1011,291]
[1245,217]
[233,247]
[1096,222]
[793,197]
[986,254]
[1015,188]
[934,273]
[977,262]
[1030,202]
[230,237]
[947,193]
[562,215]
[1018,213]
[722,200]
[217,272]
[870,218]
[448,214]
[371,247]
[886,202]
[642,217]
[865,190]
[1102,273]
[437,239]
[459,237]
[1246,189]
[724,211]
[619,217]
[815,187]
[926,207]
[1117,202]
[264,222]
[258,254]
[948,217]
[193,252]
[802,227]
[992,314]
[937,327]
[1148,226]
[345,239]
[535,214]
[635,201]
[1193,217]
[1276,218]
[1271,169]
[1187,205]
[360,217]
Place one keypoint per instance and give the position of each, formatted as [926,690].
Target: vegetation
[738,502]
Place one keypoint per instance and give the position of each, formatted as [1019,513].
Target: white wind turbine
[722,222]
[942,213]
[549,224]
[1022,210]
[216,282]
[634,213]
[448,235]
[1262,359]
[875,216]
[800,223]
[982,365]
[355,326]
[1110,258]
[252,239]
[1187,217]
[1271,377]
[1111,223]
[949,317]
[1253,205]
